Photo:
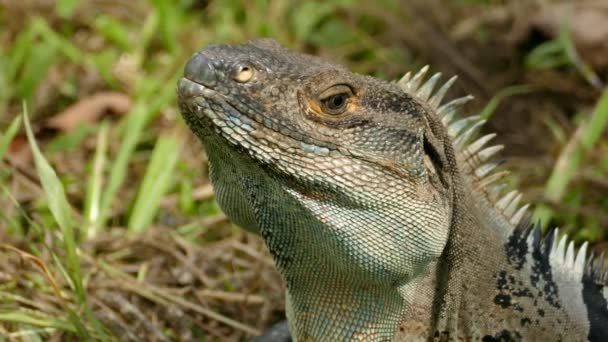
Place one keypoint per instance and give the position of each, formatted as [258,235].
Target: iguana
[381,209]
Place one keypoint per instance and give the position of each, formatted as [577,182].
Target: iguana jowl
[381,211]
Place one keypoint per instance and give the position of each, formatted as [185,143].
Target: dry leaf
[90,109]
[19,151]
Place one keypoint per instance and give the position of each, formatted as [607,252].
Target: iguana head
[358,155]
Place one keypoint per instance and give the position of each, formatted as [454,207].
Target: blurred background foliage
[109,229]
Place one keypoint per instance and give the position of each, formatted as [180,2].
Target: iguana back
[382,210]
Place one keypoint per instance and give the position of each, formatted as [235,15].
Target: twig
[163,297]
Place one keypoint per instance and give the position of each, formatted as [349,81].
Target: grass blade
[157,181]
[571,157]
[41,321]
[6,139]
[133,129]
[62,213]
[491,106]
[93,195]
[59,206]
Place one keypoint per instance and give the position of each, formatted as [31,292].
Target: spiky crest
[480,168]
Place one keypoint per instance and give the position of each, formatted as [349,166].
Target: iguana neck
[510,278]
[326,293]
[331,292]
[465,275]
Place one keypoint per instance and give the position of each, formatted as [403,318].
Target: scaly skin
[375,207]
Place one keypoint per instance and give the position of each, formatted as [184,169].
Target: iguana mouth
[209,107]
[188,88]
[188,92]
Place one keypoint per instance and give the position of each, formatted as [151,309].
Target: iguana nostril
[200,70]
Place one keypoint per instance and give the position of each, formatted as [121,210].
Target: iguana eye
[335,100]
[243,73]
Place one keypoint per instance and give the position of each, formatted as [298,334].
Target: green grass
[8,135]
[94,190]
[572,159]
[111,226]
[62,213]
[157,180]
